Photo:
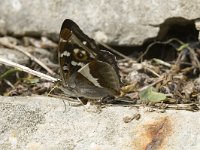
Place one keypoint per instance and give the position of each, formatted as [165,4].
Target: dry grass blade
[12,46]
[28,70]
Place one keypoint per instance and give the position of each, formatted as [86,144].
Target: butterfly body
[86,70]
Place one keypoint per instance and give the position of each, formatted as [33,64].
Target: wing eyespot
[80,55]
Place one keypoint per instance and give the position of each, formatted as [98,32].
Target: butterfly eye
[80,54]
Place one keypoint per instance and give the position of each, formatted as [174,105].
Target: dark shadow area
[176,27]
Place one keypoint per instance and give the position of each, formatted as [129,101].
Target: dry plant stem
[162,62]
[114,51]
[159,42]
[194,56]
[12,46]
[157,81]
[192,52]
[150,70]
[180,107]
[28,70]
[145,52]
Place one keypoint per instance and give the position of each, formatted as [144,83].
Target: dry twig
[28,70]
[162,62]
[12,46]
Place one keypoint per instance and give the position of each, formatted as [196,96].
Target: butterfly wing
[72,44]
[101,75]
[85,69]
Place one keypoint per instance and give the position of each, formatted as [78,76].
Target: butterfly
[86,70]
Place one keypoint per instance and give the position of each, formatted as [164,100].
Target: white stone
[121,22]
[45,123]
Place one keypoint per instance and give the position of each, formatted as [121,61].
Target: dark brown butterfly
[86,70]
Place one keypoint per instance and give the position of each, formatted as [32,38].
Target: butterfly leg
[117,100]
[107,100]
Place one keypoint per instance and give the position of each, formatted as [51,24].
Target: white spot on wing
[85,71]
[76,50]
[81,64]
[92,56]
[65,68]
[84,42]
[62,40]
[74,63]
[83,52]
[65,53]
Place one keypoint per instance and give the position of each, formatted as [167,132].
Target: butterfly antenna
[115,51]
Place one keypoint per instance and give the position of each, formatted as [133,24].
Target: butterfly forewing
[69,43]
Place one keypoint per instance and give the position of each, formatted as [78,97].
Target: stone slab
[122,22]
[44,123]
